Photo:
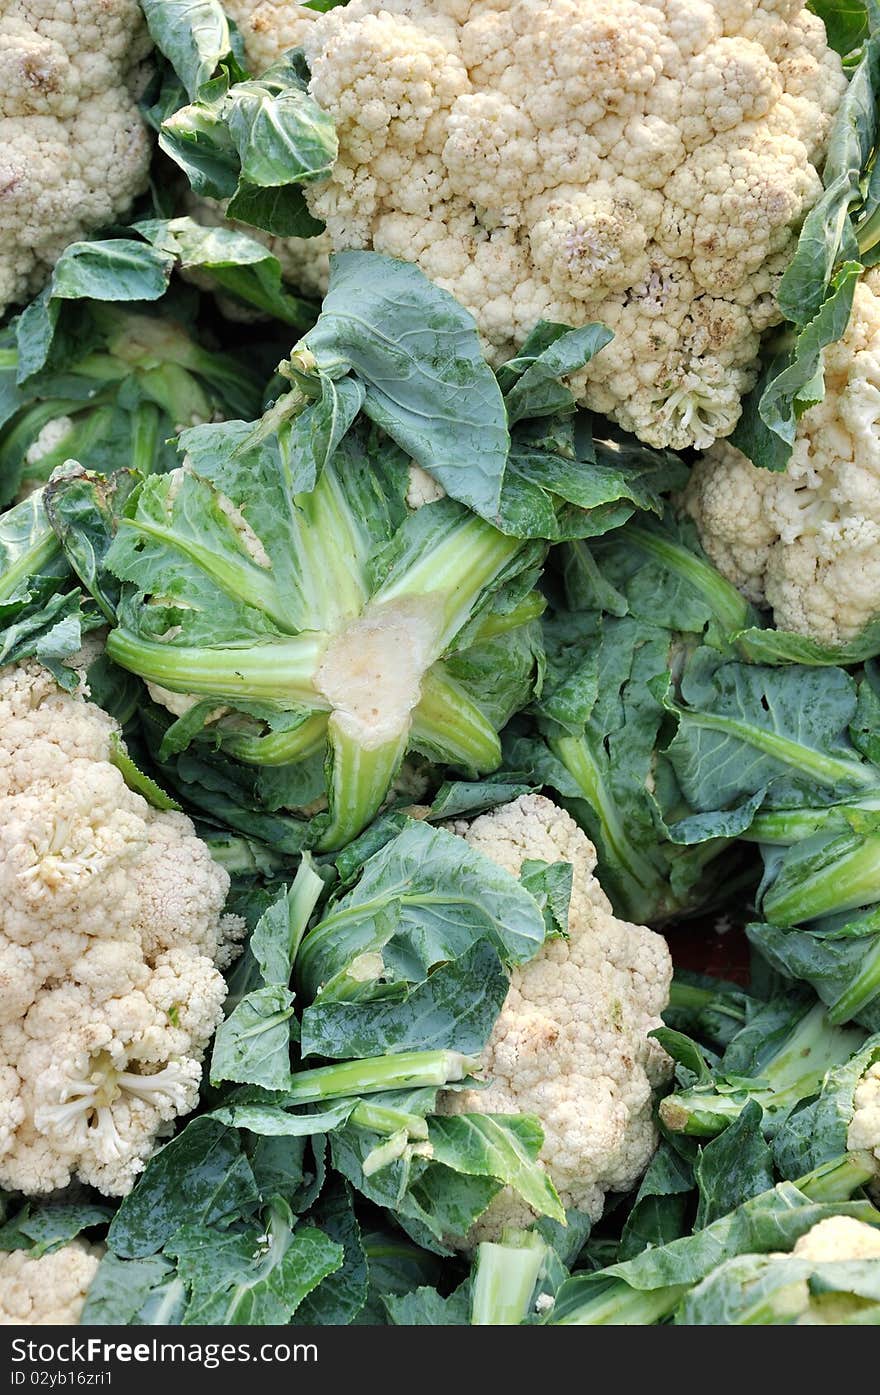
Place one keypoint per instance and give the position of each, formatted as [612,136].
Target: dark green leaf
[200,1178]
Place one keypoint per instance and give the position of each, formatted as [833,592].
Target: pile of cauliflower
[74,150]
[806,542]
[644,164]
[571,1043]
[112,935]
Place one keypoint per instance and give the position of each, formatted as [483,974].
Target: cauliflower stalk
[806,542]
[643,164]
[48,1291]
[571,1043]
[74,150]
[112,934]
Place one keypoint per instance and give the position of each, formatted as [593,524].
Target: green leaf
[550,883]
[771,1221]
[338,1299]
[801,385]
[121,1287]
[782,1290]
[200,1178]
[281,134]
[253,1045]
[733,1167]
[685,1052]
[192,34]
[504,1147]
[817,1133]
[425,1307]
[42,1228]
[109,270]
[659,1212]
[826,234]
[243,1279]
[424,898]
[233,261]
[418,355]
[32,566]
[84,510]
[136,780]
[538,391]
[845,972]
[846,22]
[276,939]
[282,212]
[742,728]
[454,1008]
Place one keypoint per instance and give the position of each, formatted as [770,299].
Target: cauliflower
[74,151]
[863,1133]
[422,488]
[806,542]
[111,938]
[839,1238]
[644,164]
[49,1291]
[571,1043]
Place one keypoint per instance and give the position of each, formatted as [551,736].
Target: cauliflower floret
[571,1042]
[648,164]
[48,439]
[806,542]
[864,1128]
[422,488]
[49,1291]
[111,936]
[74,150]
[839,1238]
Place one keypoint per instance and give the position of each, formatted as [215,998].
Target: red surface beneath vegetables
[699,947]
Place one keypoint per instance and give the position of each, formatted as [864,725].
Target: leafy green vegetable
[836,242]
[650,1287]
[417,355]
[250,1277]
[139,380]
[194,35]
[41,1227]
[200,1178]
[777,1061]
[602,718]
[253,142]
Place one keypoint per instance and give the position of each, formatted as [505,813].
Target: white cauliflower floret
[644,164]
[49,1291]
[74,150]
[48,439]
[863,1133]
[571,1042]
[422,488]
[111,934]
[806,541]
[839,1238]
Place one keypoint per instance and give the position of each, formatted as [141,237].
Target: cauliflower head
[644,164]
[49,1291]
[111,934]
[836,1240]
[571,1043]
[806,541]
[839,1238]
[74,151]
[863,1134]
